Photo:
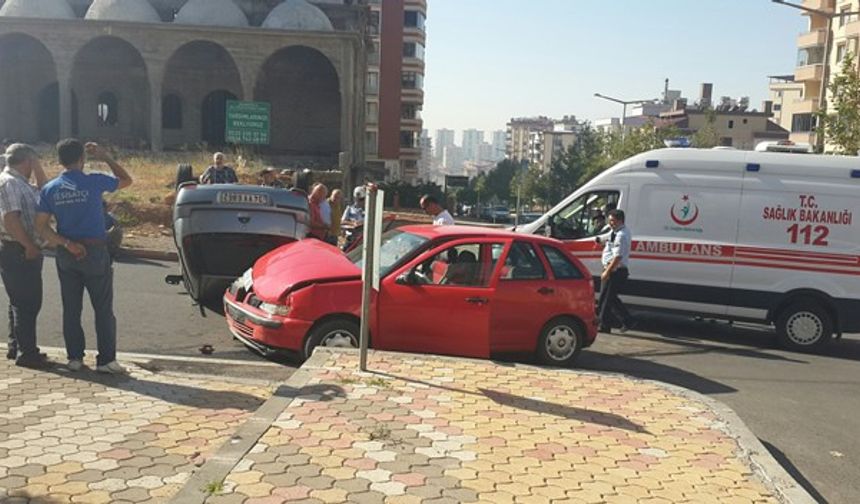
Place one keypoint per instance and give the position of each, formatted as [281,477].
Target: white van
[736,235]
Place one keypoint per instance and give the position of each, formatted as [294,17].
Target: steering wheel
[420,277]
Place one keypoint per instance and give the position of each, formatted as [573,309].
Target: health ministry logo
[684,212]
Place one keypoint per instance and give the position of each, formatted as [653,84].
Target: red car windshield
[396,246]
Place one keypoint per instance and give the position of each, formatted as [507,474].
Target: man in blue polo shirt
[74,199]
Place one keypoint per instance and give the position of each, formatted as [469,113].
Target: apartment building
[520,142]
[832,29]
[395,88]
[786,94]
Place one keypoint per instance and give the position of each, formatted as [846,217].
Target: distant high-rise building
[425,164]
[452,159]
[498,145]
[443,138]
[519,141]
[472,140]
[394,88]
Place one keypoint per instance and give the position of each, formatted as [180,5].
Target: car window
[469,264]
[523,263]
[585,216]
[396,246]
[561,266]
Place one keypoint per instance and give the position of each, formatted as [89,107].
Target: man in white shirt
[616,254]
[431,206]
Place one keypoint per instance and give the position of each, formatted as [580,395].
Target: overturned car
[221,230]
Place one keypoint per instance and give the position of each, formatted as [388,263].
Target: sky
[490,60]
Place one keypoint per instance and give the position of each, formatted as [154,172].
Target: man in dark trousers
[83,261]
[20,254]
[616,255]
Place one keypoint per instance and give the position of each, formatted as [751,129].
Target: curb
[218,466]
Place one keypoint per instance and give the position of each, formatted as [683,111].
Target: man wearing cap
[269,178]
[20,254]
[75,199]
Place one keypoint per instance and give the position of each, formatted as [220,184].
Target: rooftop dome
[297,15]
[136,11]
[211,13]
[52,9]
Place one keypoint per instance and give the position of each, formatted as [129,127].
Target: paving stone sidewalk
[439,430]
[89,438]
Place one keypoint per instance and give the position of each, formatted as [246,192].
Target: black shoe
[33,361]
[605,329]
[629,325]
[12,352]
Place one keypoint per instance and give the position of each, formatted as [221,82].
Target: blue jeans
[23,281]
[95,274]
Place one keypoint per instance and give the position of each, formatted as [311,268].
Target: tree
[841,125]
[579,163]
[707,136]
[636,141]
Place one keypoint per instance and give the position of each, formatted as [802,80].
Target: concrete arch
[194,71]
[109,64]
[303,86]
[29,83]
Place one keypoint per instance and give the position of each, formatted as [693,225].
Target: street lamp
[828,46]
[624,103]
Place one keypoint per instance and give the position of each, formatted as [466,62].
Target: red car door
[440,303]
[524,301]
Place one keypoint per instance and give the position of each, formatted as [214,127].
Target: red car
[452,290]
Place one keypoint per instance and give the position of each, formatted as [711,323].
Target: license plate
[240,198]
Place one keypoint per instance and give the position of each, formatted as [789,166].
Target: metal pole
[825,75]
[623,120]
[367,285]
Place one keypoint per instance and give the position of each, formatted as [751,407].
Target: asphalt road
[804,408]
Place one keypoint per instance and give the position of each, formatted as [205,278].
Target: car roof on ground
[456,232]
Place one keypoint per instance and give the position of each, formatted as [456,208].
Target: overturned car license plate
[240,198]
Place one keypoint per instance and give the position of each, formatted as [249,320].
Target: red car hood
[298,264]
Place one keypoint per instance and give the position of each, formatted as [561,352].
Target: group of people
[74,199]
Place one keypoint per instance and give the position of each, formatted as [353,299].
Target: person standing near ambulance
[616,256]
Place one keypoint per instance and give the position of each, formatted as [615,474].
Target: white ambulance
[754,236]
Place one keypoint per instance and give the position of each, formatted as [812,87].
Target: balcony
[809,73]
[806,106]
[812,38]
[824,5]
[852,28]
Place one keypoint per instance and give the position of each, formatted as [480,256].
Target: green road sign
[248,122]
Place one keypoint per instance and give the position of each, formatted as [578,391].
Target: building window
[374,24]
[810,56]
[409,139]
[413,50]
[411,80]
[745,121]
[371,111]
[371,142]
[776,108]
[372,83]
[843,15]
[171,112]
[731,124]
[840,53]
[410,111]
[413,19]
[726,141]
[802,123]
[108,109]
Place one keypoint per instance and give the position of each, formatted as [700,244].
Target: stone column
[156,78]
[64,81]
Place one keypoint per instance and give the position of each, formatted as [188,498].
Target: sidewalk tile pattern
[81,437]
[435,430]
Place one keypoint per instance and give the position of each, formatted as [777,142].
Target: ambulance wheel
[338,333]
[804,326]
[560,342]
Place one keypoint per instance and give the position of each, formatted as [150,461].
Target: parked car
[453,290]
[221,230]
